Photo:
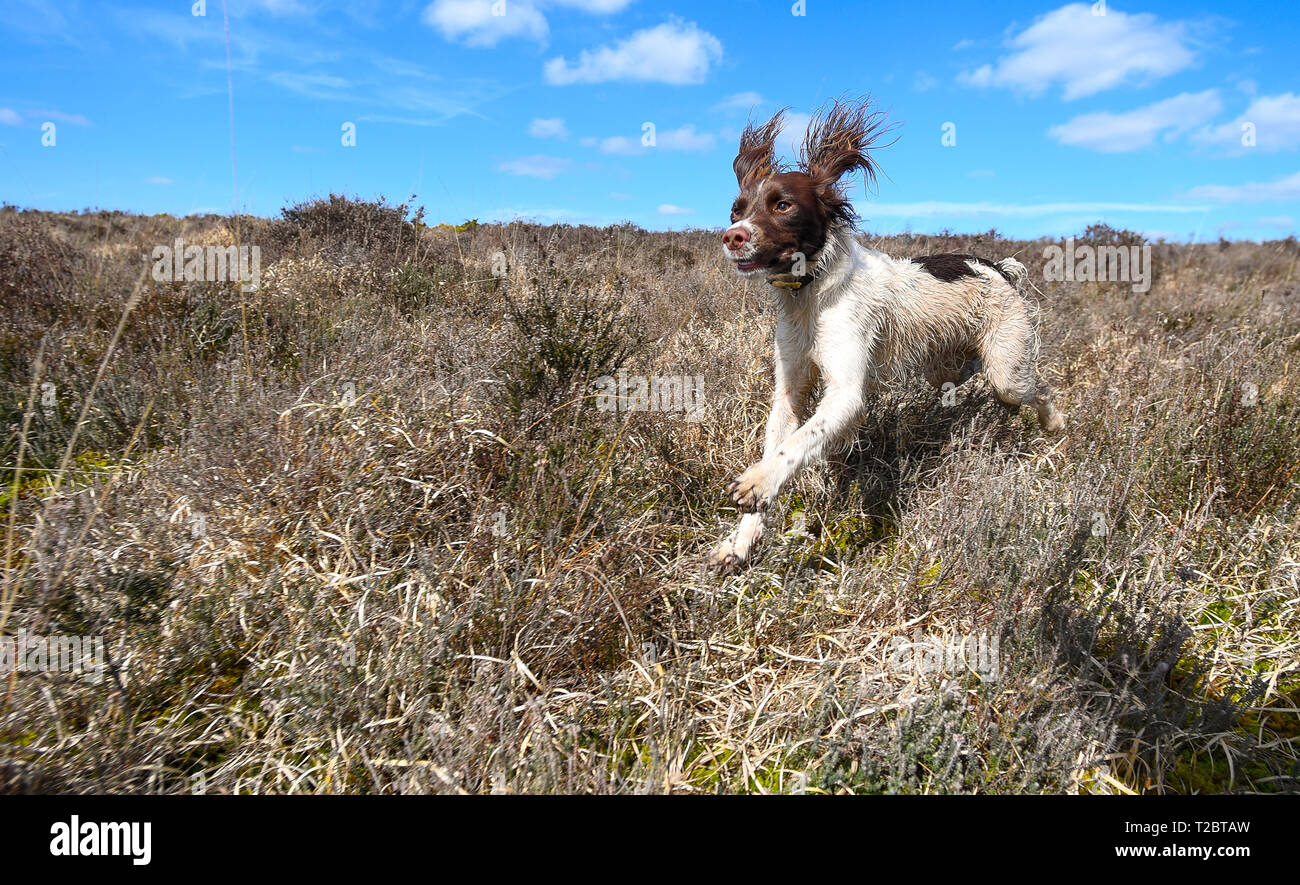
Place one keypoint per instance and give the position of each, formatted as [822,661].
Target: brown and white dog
[856,317]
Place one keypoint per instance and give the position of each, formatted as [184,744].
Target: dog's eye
[782,205]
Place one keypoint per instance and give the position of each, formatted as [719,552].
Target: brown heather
[469,579]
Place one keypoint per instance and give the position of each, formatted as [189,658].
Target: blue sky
[1059,116]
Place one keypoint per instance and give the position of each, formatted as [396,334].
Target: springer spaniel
[856,317]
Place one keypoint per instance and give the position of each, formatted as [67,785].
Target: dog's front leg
[836,418]
[789,405]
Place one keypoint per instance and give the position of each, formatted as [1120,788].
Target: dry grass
[363,530]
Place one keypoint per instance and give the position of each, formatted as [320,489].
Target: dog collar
[787,281]
[790,281]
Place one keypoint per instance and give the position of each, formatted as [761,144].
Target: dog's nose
[735,238]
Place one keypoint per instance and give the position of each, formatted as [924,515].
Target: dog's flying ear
[839,140]
[756,158]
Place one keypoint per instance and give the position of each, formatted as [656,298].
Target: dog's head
[781,219]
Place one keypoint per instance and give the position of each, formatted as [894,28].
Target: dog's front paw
[730,555]
[754,489]
[725,558]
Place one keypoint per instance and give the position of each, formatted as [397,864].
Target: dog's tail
[1014,272]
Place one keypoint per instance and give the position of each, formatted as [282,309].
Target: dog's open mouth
[748,266]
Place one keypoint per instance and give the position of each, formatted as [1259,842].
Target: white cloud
[617,196]
[548,127]
[1286,188]
[1276,120]
[597,6]
[620,145]
[158,179]
[675,52]
[10,117]
[485,23]
[670,209]
[472,21]
[741,101]
[684,138]
[1015,210]
[1131,130]
[536,166]
[1087,53]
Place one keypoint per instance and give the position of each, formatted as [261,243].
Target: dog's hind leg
[1010,356]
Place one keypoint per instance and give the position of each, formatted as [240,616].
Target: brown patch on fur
[952,266]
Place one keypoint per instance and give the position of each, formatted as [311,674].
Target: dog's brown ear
[839,140]
[756,158]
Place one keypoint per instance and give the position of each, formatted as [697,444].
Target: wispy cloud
[670,209]
[37,19]
[933,208]
[536,166]
[280,7]
[675,52]
[10,117]
[312,85]
[923,82]
[548,127]
[741,101]
[1285,188]
[1087,53]
[73,119]
[1131,130]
